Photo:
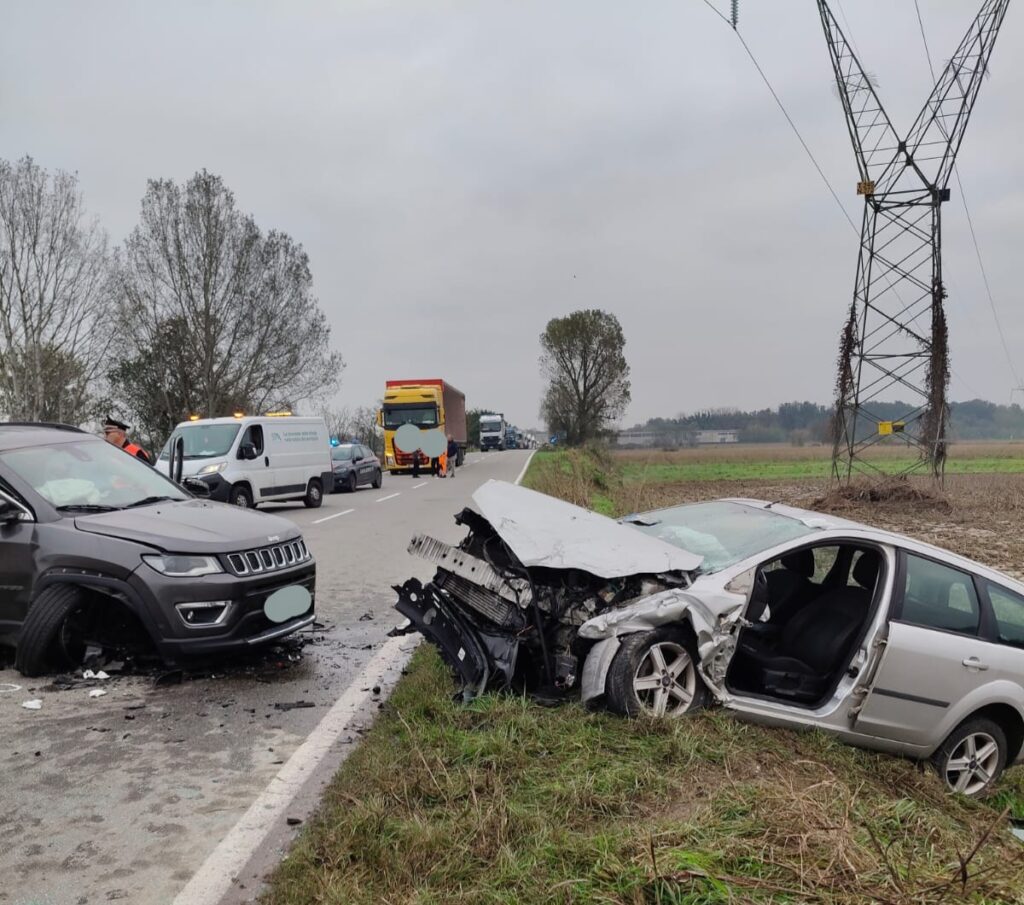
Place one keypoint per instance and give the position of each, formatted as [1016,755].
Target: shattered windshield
[723,533]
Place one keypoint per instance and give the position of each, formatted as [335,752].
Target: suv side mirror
[247,451]
[9,513]
[197,487]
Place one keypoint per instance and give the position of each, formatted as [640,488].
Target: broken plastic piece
[32,705]
[97,692]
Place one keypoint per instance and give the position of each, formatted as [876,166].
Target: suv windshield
[723,533]
[203,441]
[89,474]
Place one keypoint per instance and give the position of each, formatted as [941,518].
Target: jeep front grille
[269,559]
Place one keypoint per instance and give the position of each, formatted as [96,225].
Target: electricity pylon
[895,339]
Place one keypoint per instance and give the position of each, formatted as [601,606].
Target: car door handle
[266,461]
[975,663]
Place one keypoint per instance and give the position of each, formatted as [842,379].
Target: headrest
[865,571]
[800,561]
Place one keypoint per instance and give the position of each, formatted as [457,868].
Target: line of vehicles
[497,433]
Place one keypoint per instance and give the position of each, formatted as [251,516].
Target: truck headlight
[176,565]
[214,468]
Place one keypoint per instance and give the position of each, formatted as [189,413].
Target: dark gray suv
[98,548]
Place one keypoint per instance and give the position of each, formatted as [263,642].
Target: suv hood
[191,526]
[544,531]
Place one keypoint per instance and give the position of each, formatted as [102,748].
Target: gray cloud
[460,172]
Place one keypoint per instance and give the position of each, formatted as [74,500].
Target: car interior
[809,610]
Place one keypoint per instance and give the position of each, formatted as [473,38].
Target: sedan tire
[655,673]
[378,480]
[972,757]
[351,482]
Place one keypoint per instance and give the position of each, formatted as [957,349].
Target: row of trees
[199,310]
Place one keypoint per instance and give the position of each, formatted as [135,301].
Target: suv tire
[637,661]
[241,496]
[972,757]
[314,494]
[48,611]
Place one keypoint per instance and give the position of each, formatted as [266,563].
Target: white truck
[492,432]
[249,460]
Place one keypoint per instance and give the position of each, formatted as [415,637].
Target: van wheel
[379,480]
[314,494]
[972,758]
[45,617]
[655,673]
[241,496]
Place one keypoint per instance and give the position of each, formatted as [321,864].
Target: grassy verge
[504,801]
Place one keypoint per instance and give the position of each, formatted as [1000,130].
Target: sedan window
[939,597]
[1008,608]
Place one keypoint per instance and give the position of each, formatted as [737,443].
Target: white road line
[327,518]
[215,877]
[390,496]
[418,486]
[529,459]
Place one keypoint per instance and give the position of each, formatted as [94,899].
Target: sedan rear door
[934,655]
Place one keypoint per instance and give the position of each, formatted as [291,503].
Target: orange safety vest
[133,449]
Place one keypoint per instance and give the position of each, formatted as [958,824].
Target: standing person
[116,432]
[435,466]
[453,455]
[416,464]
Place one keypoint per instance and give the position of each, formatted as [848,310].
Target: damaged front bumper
[477,656]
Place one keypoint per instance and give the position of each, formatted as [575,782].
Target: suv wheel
[378,480]
[241,496]
[314,494]
[655,673]
[972,758]
[45,618]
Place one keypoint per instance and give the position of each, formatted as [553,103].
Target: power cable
[970,219]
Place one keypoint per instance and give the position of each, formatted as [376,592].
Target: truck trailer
[431,405]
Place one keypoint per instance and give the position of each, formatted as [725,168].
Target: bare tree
[251,333]
[55,298]
[587,372]
[356,424]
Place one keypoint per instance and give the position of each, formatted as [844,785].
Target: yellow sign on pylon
[888,428]
[867,187]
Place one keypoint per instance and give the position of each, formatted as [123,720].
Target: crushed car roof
[545,531]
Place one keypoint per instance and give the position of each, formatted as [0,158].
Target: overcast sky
[460,172]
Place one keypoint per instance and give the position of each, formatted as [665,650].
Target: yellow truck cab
[431,405]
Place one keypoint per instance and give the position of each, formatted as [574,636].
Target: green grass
[504,801]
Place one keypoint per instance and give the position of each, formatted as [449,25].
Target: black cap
[111,422]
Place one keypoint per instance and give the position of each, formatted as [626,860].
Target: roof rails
[53,425]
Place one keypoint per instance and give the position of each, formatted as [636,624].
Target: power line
[970,219]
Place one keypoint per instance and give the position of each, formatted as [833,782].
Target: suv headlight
[214,468]
[177,565]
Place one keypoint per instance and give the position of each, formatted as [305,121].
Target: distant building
[638,438]
[716,436]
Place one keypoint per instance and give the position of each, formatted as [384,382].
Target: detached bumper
[477,656]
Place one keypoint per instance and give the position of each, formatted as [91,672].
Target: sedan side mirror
[197,487]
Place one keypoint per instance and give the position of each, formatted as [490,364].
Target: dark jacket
[453,449]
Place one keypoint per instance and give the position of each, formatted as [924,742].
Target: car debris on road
[783,615]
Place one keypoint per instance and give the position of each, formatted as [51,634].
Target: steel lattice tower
[895,338]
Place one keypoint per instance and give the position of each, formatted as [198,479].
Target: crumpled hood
[191,526]
[544,531]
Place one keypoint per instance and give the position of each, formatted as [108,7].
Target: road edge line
[529,459]
[216,877]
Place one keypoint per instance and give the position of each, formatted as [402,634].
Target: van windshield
[203,441]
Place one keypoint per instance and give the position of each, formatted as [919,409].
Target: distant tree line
[809,422]
[198,311]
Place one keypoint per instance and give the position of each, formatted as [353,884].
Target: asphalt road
[122,797]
